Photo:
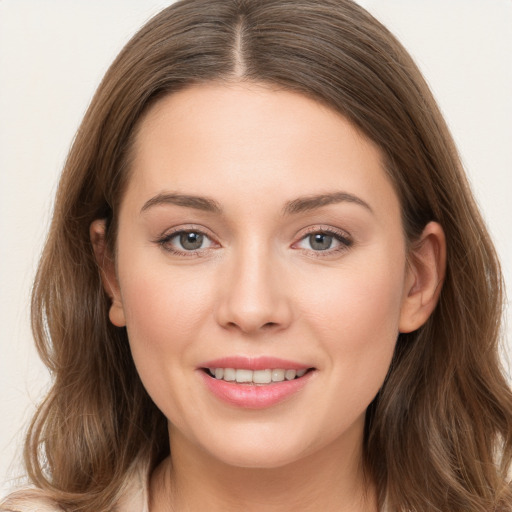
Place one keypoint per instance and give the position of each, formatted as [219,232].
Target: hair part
[438,435]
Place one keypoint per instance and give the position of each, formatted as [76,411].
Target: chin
[266,458]
[257,449]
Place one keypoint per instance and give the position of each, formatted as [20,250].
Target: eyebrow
[299,205]
[199,203]
[308,203]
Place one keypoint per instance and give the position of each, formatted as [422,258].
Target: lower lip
[253,396]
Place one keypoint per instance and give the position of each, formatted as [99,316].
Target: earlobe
[108,272]
[424,279]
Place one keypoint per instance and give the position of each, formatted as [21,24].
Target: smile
[255,382]
[245,376]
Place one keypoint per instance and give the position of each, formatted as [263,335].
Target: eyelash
[165,240]
[344,240]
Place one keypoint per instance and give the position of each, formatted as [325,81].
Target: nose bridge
[253,297]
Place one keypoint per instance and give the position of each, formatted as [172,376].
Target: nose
[253,296]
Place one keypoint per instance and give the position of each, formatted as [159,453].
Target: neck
[331,480]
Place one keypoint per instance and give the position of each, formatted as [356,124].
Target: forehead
[252,140]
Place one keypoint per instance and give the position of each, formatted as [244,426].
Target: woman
[267,285]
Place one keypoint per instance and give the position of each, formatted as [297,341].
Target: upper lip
[254,363]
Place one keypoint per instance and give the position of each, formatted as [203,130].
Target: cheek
[164,310]
[164,313]
[354,317]
[357,299]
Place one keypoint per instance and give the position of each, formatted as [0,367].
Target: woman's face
[260,237]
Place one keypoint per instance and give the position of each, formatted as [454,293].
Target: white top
[134,497]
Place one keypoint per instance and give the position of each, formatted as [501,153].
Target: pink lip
[253,396]
[254,363]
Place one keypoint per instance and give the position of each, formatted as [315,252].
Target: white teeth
[262,376]
[267,376]
[278,375]
[290,374]
[229,374]
[244,375]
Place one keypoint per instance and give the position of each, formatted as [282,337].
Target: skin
[257,286]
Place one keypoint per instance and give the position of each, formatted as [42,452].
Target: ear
[424,278]
[108,271]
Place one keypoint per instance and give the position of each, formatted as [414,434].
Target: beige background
[53,54]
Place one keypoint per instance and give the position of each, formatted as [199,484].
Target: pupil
[191,241]
[320,242]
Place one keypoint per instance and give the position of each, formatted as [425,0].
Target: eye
[324,241]
[186,241]
[320,241]
[191,241]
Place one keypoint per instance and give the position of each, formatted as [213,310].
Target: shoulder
[133,495]
[135,492]
[30,500]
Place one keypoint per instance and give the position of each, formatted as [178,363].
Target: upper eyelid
[323,229]
[164,238]
[192,228]
[300,234]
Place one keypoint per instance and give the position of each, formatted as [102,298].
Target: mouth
[256,377]
[255,382]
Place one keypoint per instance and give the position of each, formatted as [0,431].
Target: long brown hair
[438,436]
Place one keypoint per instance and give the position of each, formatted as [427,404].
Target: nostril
[246,327]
